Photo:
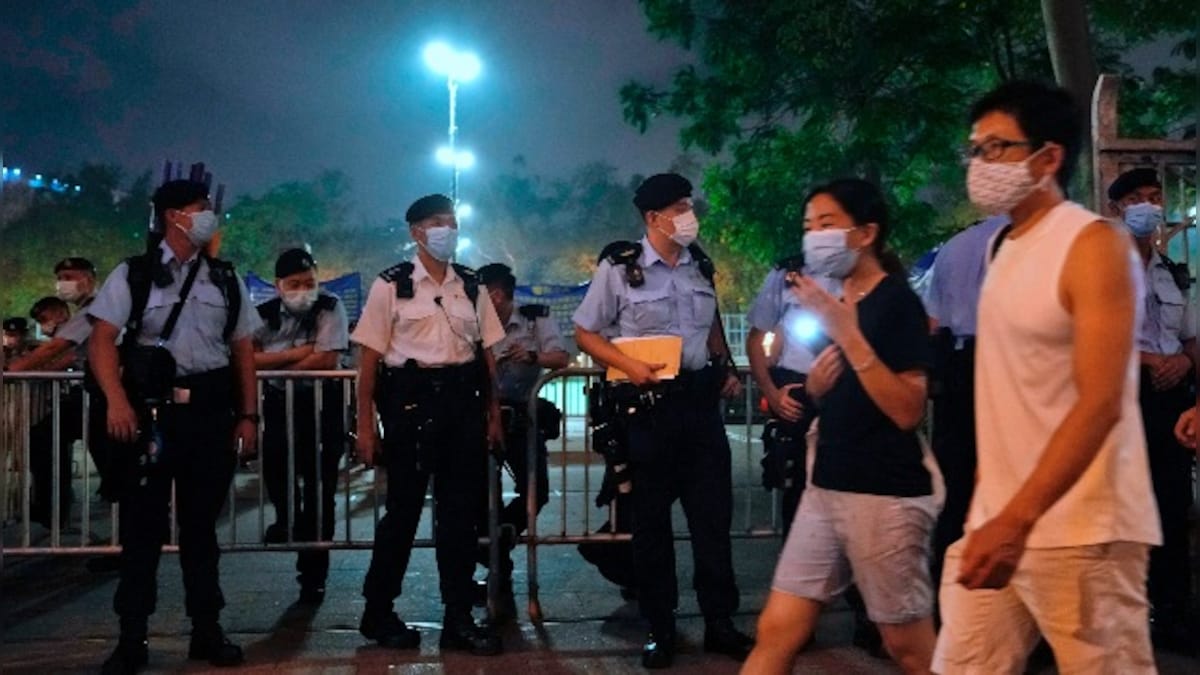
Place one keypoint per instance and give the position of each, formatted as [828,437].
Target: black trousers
[678,450]
[1169,580]
[313,566]
[41,456]
[432,428]
[515,513]
[954,444]
[197,455]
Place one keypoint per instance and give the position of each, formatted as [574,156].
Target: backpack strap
[1001,235]
[271,313]
[470,279]
[624,252]
[140,274]
[1179,273]
[223,276]
[708,269]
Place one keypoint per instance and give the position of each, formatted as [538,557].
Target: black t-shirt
[859,448]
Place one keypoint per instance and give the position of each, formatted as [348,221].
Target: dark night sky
[267,91]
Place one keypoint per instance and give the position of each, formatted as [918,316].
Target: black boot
[210,644]
[131,653]
[722,637]
[384,627]
[459,632]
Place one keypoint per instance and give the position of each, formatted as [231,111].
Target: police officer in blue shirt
[304,328]
[952,301]
[677,444]
[426,334]
[207,407]
[1166,340]
[532,343]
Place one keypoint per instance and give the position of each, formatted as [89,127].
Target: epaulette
[625,253]
[223,276]
[534,311]
[401,275]
[270,312]
[470,279]
[792,263]
[325,302]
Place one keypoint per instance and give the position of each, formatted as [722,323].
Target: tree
[787,94]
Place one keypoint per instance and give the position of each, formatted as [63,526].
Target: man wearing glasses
[1063,516]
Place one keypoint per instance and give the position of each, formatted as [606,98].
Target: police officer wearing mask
[532,343]
[304,328]
[677,443]
[426,333]
[1166,340]
[76,284]
[211,411]
[17,342]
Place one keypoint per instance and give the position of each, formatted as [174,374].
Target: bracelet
[249,417]
[865,364]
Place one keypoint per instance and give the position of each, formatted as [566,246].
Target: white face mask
[204,228]
[11,341]
[440,242]
[996,188]
[827,253]
[1143,219]
[299,302]
[68,291]
[687,228]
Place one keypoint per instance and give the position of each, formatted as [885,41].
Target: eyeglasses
[991,149]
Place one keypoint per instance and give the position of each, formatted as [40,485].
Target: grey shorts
[882,543]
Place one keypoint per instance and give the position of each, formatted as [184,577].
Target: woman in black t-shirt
[869,514]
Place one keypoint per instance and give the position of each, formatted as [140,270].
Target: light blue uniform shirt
[673,301]
[515,380]
[1167,320]
[952,297]
[776,309]
[197,342]
[77,330]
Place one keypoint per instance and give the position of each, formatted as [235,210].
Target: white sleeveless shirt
[1024,388]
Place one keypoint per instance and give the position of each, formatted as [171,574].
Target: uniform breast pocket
[651,309]
[462,317]
[1171,310]
[210,305]
[414,318]
[704,306]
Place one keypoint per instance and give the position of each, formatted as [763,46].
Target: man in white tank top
[1063,515]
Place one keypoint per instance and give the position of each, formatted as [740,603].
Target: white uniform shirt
[438,326]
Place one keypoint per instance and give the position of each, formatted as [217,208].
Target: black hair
[864,202]
[500,276]
[47,304]
[175,194]
[1045,114]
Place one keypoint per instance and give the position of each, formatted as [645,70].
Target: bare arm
[901,396]
[105,363]
[758,362]
[281,360]
[554,359]
[599,348]
[241,357]
[44,357]
[317,361]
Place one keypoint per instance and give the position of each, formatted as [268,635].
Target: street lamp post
[457,67]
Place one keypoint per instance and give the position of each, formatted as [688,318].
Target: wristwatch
[250,417]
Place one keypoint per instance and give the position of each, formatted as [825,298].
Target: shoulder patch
[400,274]
[621,252]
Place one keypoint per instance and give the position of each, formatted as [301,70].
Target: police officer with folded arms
[662,285]
[1166,340]
[304,328]
[531,344]
[179,398]
[425,365]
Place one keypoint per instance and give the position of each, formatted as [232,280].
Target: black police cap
[177,194]
[429,205]
[16,324]
[75,264]
[293,261]
[660,191]
[495,273]
[1132,180]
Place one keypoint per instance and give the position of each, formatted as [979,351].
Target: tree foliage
[785,94]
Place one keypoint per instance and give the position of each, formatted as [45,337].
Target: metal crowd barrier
[91,526]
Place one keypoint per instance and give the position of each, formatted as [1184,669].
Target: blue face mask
[826,253]
[204,228]
[1142,219]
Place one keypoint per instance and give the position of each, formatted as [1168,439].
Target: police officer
[952,299]
[205,408]
[304,328]
[426,333]
[17,341]
[65,349]
[796,333]
[1166,340]
[532,343]
[677,444]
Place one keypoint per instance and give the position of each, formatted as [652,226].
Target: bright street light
[463,211]
[462,159]
[456,67]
